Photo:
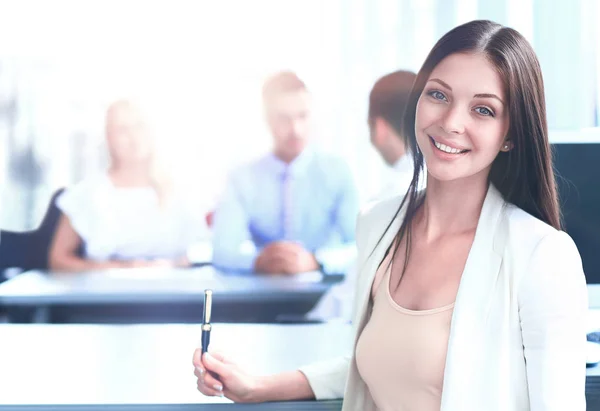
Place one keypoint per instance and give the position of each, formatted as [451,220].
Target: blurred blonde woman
[128,216]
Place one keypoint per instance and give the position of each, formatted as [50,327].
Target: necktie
[287,205]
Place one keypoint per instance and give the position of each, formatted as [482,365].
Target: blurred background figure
[387,101]
[294,209]
[129,216]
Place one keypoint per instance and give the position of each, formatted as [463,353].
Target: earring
[506,146]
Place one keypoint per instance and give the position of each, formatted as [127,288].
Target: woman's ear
[507,146]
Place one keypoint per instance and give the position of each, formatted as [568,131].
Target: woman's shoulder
[375,218]
[91,183]
[545,263]
[380,211]
[524,225]
[82,193]
[528,236]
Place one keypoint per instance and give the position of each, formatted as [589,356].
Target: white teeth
[447,149]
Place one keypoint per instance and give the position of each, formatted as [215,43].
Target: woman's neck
[451,207]
[136,175]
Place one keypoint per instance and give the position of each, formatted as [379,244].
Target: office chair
[28,250]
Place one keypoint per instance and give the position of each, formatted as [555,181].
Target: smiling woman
[468,297]
[462,126]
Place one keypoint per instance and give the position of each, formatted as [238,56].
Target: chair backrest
[28,250]
[50,221]
[20,250]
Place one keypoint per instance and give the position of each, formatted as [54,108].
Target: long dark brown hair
[523,175]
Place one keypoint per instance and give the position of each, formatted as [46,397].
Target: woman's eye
[484,111]
[438,95]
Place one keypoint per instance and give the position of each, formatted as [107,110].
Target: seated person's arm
[338,250]
[63,251]
[285,257]
[338,253]
[233,247]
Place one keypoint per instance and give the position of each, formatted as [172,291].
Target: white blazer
[518,331]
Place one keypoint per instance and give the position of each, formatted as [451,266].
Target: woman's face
[462,118]
[127,134]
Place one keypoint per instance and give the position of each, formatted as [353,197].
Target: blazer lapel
[369,269]
[472,306]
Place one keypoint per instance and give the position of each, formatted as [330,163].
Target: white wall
[200,64]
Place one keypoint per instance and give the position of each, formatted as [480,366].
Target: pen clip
[207,307]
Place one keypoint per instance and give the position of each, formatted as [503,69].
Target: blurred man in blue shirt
[293,210]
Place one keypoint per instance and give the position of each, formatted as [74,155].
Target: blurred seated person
[387,101]
[293,210]
[129,216]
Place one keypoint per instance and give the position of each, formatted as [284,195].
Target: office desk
[157,295]
[592,388]
[74,364]
[148,367]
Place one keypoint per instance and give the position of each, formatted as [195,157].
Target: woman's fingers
[210,392]
[197,358]
[211,363]
[208,384]
[212,381]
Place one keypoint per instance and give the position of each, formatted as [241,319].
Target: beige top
[401,353]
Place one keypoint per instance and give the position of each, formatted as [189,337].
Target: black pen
[206,326]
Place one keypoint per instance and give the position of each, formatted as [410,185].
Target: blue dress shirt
[312,201]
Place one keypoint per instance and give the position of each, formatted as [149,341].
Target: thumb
[218,355]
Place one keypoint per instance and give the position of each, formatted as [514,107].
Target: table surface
[90,365]
[153,285]
[165,284]
[145,364]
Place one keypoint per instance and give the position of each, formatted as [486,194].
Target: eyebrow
[481,95]
[488,95]
[443,83]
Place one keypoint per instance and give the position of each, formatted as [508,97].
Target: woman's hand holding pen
[219,377]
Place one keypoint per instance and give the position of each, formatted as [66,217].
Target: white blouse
[118,223]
